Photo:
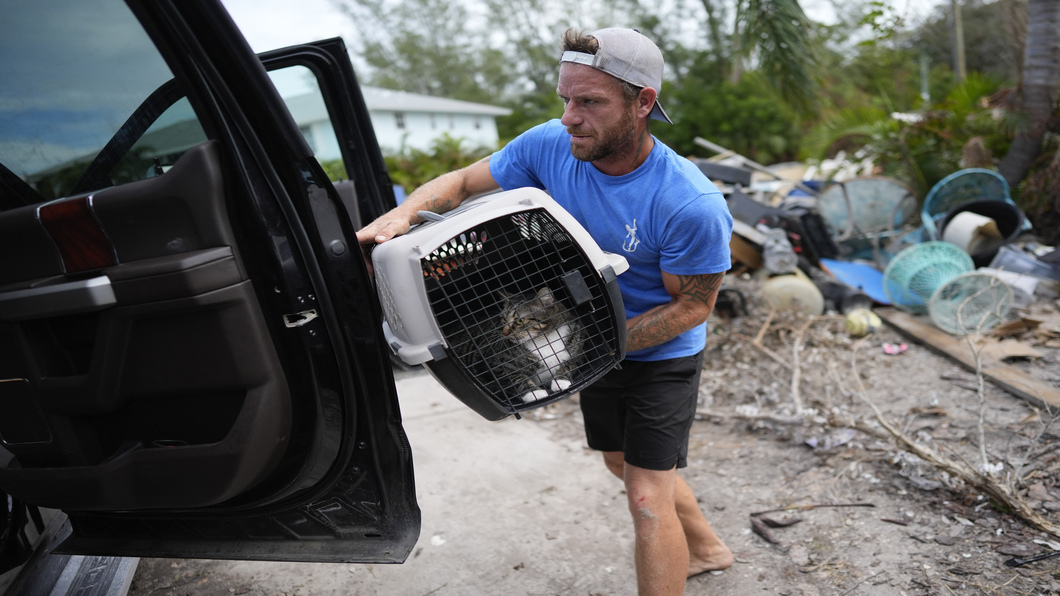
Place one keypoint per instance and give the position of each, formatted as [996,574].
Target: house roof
[401,101]
[310,106]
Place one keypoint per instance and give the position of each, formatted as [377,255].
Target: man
[636,198]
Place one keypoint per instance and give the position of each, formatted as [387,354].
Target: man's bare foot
[720,557]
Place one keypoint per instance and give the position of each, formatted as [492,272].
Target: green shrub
[413,167]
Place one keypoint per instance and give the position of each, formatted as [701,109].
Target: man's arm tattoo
[702,288]
[659,325]
[439,204]
[652,329]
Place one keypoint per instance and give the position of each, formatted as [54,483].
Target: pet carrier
[506,300]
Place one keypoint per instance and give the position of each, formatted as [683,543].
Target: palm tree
[777,35]
[1038,87]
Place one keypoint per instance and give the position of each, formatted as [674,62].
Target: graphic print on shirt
[630,245]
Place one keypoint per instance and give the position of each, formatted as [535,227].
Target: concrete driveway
[509,507]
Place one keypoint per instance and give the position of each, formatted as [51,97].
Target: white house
[401,121]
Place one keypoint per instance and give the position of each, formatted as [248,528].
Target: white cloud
[271,24]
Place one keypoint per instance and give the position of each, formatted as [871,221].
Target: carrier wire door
[506,300]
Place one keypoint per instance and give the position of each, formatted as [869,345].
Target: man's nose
[570,116]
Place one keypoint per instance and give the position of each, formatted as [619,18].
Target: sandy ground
[522,507]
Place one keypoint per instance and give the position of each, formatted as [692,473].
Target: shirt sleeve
[696,239]
[514,165]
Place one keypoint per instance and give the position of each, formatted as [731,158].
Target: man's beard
[613,140]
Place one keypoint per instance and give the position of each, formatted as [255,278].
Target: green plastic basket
[914,274]
[970,303]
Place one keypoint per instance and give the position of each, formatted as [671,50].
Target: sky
[270,24]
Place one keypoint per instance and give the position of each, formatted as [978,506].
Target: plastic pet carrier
[506,300]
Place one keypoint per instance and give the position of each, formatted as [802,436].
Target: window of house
[434,123]
[477,123]
[399,120]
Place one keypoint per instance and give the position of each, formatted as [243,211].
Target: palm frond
[857,125]
[971,93]
[780,31]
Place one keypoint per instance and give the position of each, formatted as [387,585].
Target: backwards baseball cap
[628,56]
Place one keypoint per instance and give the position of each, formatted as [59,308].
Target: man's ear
[645,101]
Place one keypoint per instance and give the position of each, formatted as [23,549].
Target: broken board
[1008,378]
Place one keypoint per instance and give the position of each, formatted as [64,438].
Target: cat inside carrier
[506,300]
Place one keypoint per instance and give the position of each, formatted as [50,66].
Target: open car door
[191,361]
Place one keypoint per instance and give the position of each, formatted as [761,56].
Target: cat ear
[545,296]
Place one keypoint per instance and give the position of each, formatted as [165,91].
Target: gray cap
[628,56]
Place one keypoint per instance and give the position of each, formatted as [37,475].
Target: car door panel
[191,363]
[169,394]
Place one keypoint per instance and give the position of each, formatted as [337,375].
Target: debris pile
[963,259]
[819,266]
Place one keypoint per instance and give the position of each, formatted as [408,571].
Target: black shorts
[645,410]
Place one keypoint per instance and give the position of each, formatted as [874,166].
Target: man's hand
[388,226]
[442,194]
[391,224]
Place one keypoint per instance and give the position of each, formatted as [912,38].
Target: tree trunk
[737,45]
[958,42]
[717,46]
[1038,87]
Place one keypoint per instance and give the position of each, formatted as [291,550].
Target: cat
[526,350]
[549,332]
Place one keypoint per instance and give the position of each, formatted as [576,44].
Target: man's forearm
[442,194]
[661,324]
[693,301]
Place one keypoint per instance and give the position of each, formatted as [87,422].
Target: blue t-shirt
[664,216]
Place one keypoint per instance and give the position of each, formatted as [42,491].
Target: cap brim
[658,113]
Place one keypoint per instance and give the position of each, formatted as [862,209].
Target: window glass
[168,137]
[300,90]
[72,74]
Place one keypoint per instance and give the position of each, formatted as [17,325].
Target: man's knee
[615,462]
[651,493]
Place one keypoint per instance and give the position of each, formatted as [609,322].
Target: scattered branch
[812,506]
[855,586]
[764,350]
[975,348]
[796,374]
[765,327]
[1005,495]
[784,420]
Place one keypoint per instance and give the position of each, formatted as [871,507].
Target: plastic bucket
[1008,217]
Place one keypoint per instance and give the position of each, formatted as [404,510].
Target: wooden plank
[748,232]
[743,252]
[1008,378]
